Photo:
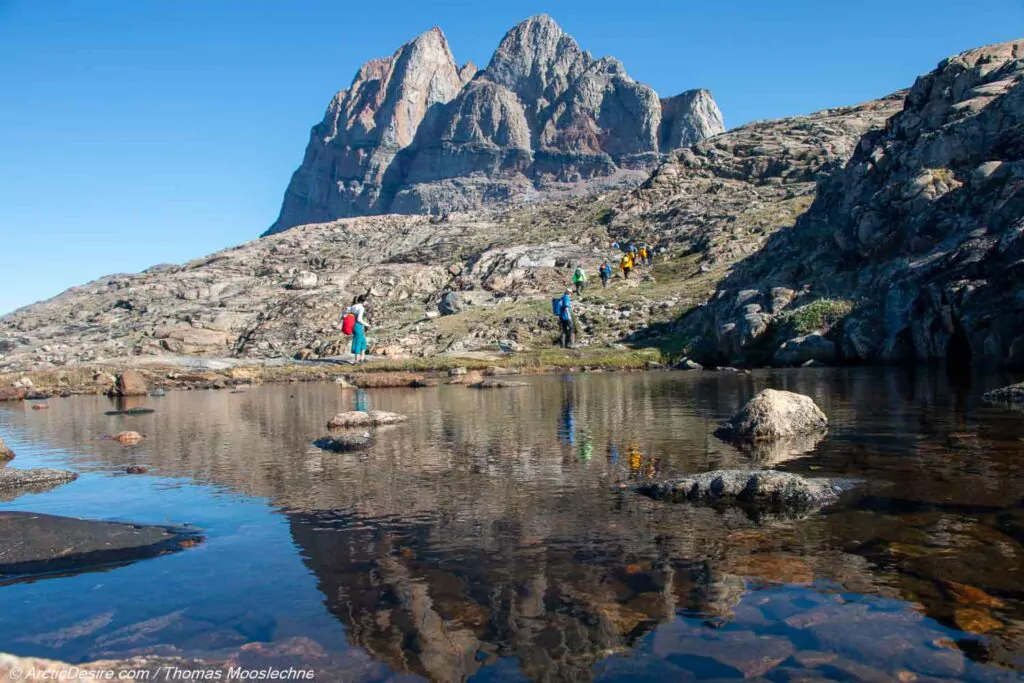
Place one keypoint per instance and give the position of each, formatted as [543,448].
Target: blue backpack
[556,306]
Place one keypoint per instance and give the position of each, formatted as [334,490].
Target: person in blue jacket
[566,335]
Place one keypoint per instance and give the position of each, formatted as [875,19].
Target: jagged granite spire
[415,133]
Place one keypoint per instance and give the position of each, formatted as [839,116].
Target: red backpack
[348,323]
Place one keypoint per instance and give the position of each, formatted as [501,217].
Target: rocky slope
[415,133]
[278,296]
[913,251]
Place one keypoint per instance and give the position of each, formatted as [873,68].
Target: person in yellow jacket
[626,264]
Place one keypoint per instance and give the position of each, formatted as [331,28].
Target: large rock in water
[774,414]
[766,489]
[47,544]
[415,133]
[14,482]
[358,418]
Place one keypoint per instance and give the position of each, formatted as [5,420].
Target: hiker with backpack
[354,323]
[562,307]
[579,278]
[605,271]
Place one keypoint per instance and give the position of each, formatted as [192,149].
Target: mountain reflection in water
[485,537]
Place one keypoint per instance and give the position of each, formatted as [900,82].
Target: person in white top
[358,309]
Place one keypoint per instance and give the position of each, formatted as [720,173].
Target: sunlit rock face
[416,133]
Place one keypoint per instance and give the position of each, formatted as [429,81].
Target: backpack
[556,306]
[348,323]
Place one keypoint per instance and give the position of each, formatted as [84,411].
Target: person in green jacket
[579,278]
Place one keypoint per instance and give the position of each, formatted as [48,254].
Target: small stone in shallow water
[344,443]
[128,438]
[975,621]
[136,469]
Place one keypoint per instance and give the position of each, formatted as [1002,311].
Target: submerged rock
[1011,394]
[5,452]
[158,393]
[15,482]
[131,411]
[496,384]
[136,469]
[47,543]
[128,438]
[359,418]
[345,443]
[774,414]
[766,489]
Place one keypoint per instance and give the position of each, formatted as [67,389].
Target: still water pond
[485,538]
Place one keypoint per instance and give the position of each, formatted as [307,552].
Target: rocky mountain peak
[415,133]
[537,61]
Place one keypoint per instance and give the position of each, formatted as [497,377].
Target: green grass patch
[821,315]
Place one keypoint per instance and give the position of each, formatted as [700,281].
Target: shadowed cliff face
[913,251]
[414,133]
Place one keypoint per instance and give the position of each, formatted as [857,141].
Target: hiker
[357,323]
[626,264]
[650,257]
[605,271]
[643,254]
[579,278]
[566,334]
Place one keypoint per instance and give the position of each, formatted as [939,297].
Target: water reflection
[487,529]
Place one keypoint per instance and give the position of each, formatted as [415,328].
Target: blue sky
[136,132]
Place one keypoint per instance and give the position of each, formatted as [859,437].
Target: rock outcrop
[14,482]
[47,543]
[5,452]
[766,489]
[914,250]
[414,133]
[772,415]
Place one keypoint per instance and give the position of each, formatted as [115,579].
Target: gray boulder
[450,304]
[687,364]
[801,350]
[765,489]
[772,415]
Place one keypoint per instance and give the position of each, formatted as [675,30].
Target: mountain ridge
[415,133]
